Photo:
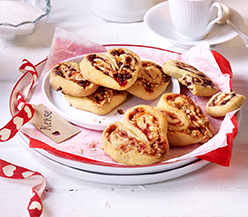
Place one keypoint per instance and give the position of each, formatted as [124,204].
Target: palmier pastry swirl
[118,69]
[140,139]
[67,78]
[101,102]
[187,124]
[222,103]
[196,81]
[151,81]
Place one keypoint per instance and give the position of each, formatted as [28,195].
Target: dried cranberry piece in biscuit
[196,81]
[140,139]
[187,123]
[67,78]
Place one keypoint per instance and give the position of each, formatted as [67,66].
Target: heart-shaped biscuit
[140,139]
[195,80]
[117,69]
[67,78]
[187,123]
[151,81]
[221,103]
[101,102]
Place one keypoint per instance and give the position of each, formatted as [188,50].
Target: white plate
[100,172]
[119,179]
[87,119]
[100,167]
[158,20]
[103,167]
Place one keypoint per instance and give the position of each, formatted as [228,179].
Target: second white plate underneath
[118,179]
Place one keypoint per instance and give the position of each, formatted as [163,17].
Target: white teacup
[194,19]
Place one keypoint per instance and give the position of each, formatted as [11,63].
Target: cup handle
[220,14]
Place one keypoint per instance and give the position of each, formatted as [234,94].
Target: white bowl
[20,18]
[121,10]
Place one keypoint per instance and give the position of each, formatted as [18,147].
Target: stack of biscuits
[101,82]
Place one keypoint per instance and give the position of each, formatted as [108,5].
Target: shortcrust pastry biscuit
[67,78]
[140,139]
[221,103]
[101,102]
[196,81]
[117,69]
[151,81]
[187,123]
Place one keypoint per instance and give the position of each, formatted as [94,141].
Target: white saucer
[118,179]
[158,20]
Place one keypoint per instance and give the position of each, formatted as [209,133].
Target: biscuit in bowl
[117,69]
[141,138]
[101,102]
[187,123]
[195,80]
[67,78]
[221,103]
[151,81]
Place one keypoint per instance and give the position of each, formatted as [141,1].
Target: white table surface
[211,191]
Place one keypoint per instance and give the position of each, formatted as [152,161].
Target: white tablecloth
[211,191]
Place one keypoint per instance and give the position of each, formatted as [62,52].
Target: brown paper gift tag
[52,125]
